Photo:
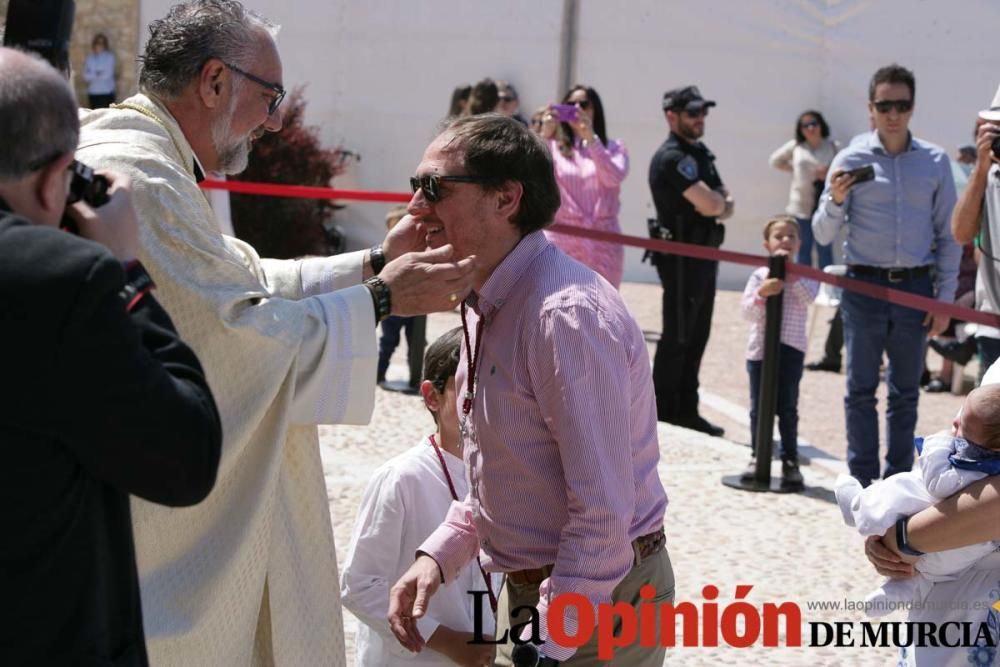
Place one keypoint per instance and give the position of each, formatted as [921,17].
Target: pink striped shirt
[589,181]
[561,451]
[798,294]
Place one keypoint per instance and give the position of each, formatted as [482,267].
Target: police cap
[687,98]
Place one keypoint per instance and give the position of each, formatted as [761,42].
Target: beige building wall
[379,74]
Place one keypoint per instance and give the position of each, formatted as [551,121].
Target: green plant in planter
[283,227]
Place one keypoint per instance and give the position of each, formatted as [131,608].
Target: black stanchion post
[767,394]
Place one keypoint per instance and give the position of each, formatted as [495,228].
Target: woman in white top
[807,157]
[99,73]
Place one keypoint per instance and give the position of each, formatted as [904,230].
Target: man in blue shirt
[899,236]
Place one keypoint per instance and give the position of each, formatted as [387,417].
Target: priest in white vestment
[249,577]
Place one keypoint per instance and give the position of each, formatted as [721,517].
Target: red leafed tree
[283,227]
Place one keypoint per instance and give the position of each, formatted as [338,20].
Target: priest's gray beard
[233,153]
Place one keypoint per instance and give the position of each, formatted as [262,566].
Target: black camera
[995,145]
[85,186]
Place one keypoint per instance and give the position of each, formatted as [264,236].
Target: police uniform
[688,284]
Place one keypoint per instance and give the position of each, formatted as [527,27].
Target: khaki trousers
[655,570]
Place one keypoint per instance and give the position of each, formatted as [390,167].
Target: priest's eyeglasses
[279,92]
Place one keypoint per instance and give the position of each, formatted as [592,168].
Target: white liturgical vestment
[249,576]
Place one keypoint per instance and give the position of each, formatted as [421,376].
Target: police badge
[688,168]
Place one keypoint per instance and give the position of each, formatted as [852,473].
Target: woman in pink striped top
[589,170]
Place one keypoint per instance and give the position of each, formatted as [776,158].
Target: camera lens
[996,147]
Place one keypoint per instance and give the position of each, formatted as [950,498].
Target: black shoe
[937,386]
[960,353]
[824,364]
[791,477]
[702,425]
[750,472]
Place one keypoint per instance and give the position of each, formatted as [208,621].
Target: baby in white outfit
[948,462]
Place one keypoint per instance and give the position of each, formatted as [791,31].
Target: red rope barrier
[894,296]
[303,191]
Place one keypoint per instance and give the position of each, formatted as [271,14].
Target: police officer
[689,199]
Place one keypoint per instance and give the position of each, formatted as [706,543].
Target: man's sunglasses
[885,106]
[279,92]
[431,185]
[701,113]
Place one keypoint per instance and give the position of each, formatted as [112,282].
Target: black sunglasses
[697,114]
[809,125]
[431,185]
[583,104]
[885,106]
[279,92]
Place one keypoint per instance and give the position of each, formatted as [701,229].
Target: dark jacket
[95,404]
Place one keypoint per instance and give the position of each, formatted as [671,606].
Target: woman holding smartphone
[807,157]
[589,169]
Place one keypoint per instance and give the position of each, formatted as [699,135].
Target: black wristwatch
[902,539]
[381,297]
[138,283]
[377,257]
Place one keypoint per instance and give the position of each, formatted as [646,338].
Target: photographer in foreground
[100,398]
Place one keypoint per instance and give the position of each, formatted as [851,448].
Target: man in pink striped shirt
[556,403]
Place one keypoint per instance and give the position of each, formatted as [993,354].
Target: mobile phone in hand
[566,113]
[862,174]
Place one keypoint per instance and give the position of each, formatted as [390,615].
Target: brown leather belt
[644,547]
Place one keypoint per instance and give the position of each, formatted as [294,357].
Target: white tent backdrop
[379,75]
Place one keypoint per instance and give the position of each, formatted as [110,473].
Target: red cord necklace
[454,495]
[472,361]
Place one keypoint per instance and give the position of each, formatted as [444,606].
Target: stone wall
[119,21]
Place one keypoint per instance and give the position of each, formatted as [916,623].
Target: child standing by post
[781,237]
